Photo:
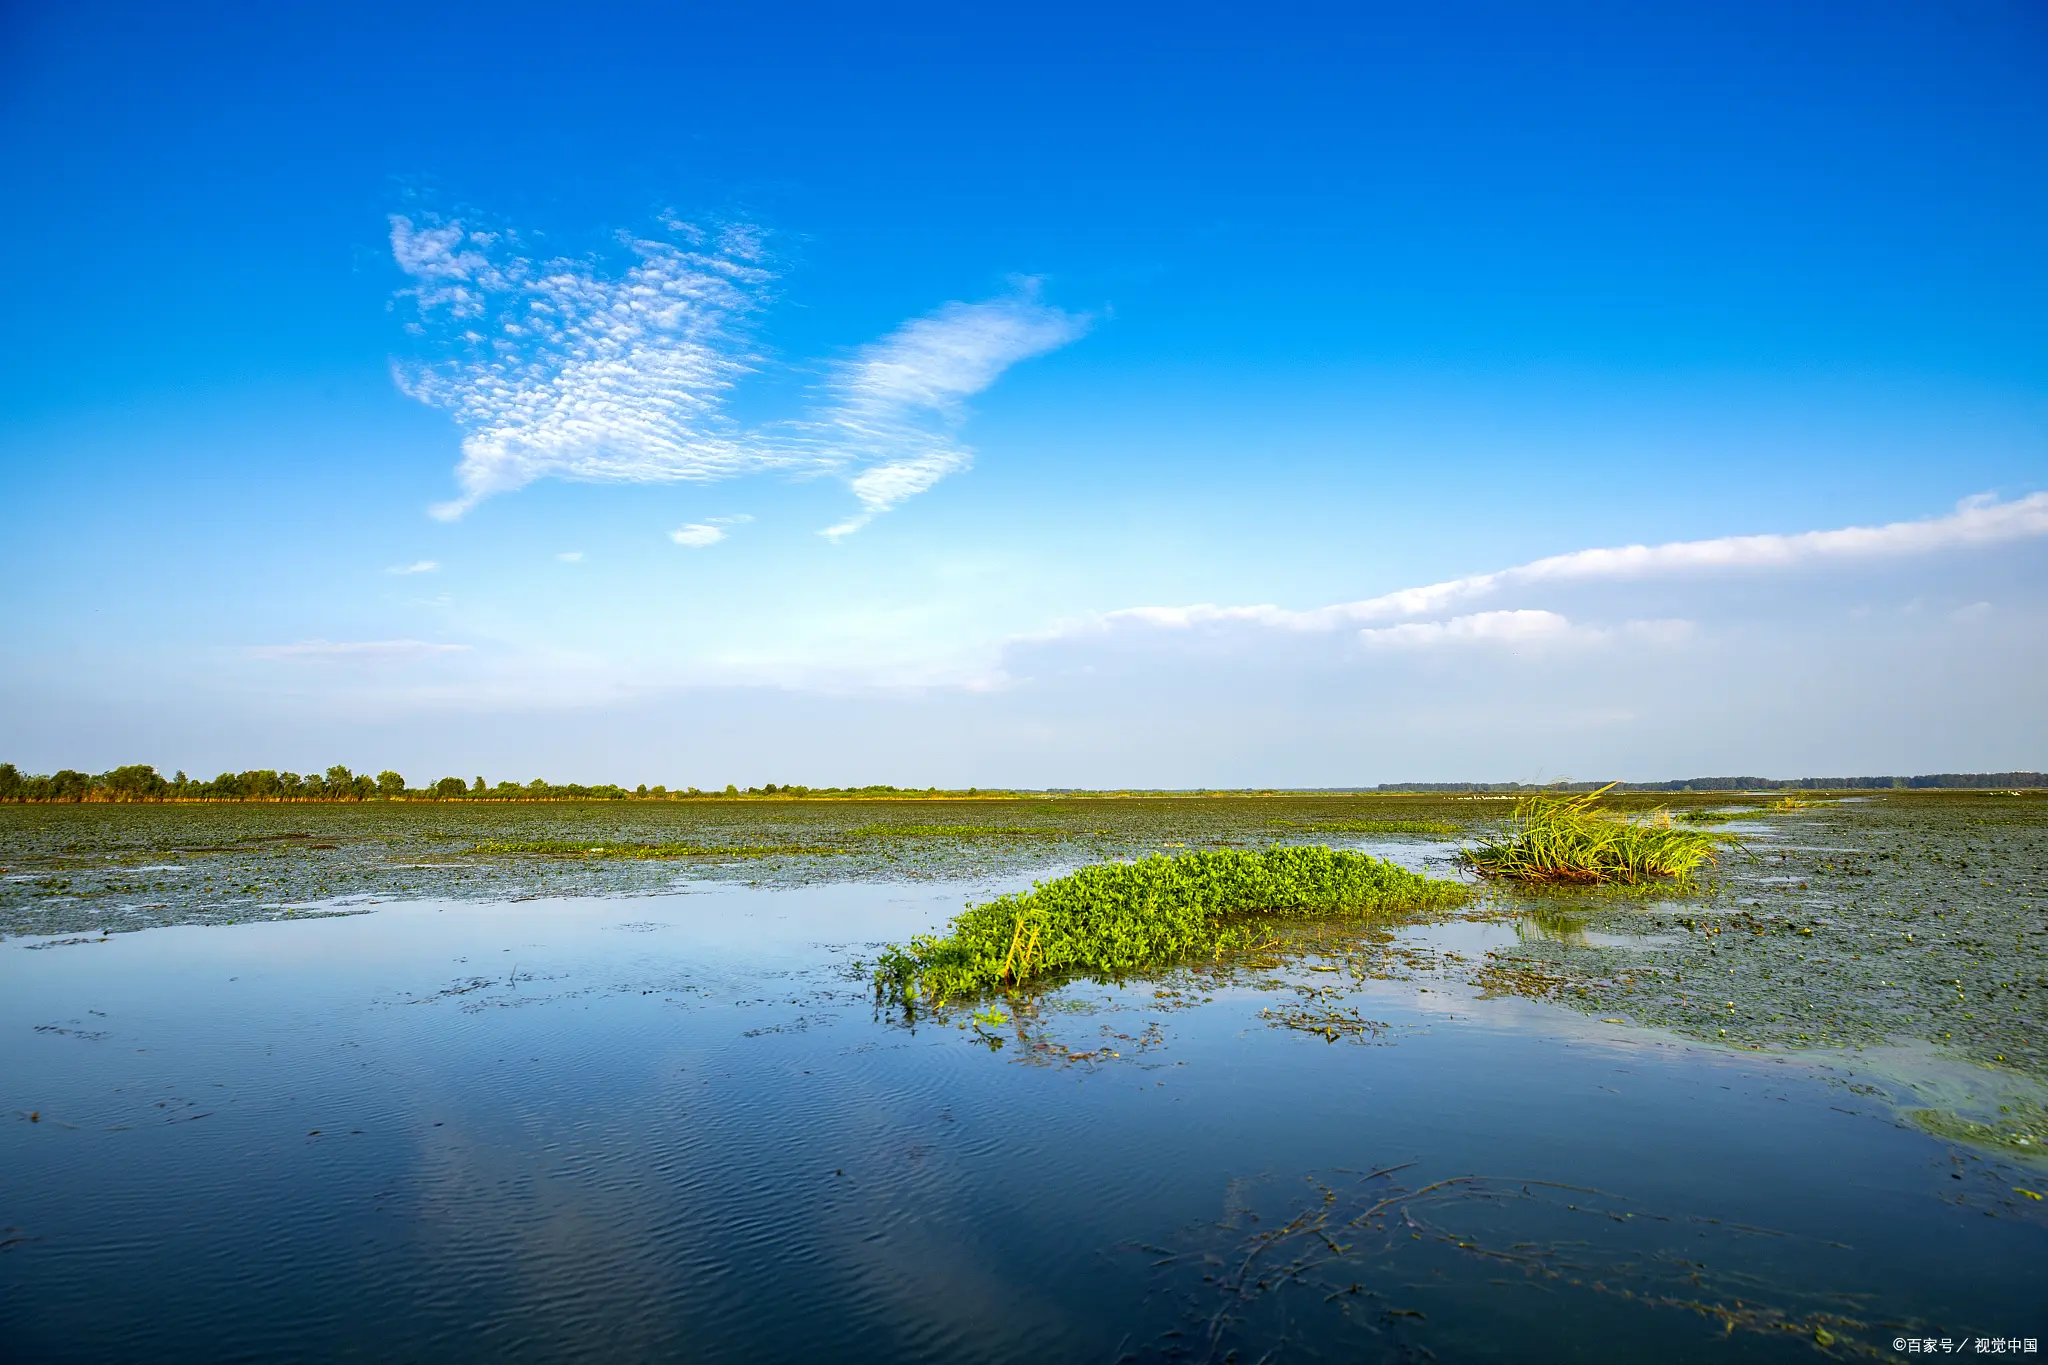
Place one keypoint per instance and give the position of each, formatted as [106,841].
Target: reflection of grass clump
[565,848]
[1115,918]
[1373,826]
[1571,839]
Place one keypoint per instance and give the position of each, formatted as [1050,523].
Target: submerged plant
[1115,918]
[1574,839]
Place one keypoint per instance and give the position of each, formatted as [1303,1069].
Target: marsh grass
[1778,807]
[1572,839]
[1372,826]
[1113,919]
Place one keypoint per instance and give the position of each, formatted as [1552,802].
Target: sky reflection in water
[673,1125]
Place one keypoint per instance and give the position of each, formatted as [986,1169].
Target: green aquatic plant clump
[1572,839]
[1115,918]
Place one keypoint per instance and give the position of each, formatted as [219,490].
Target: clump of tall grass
[1116,918]
[1573,839]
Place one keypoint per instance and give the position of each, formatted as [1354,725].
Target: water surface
[674,1125]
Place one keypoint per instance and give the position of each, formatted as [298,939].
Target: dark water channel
[674,1127]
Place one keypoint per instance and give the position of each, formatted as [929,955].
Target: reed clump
[1114,919]
[1575,840]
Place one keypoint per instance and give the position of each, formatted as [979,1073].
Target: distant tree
[10,782]
[390,784]
[478,787]
[731,790]
[449,788]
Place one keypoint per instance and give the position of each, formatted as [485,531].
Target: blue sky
[707,394]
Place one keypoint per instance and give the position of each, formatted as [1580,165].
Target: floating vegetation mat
[1435,828]
[918,831]
[2019,1128]
[1575,839]
[1115,919]
[88,867]
[1846,924]
[564,848]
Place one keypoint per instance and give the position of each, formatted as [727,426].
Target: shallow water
[674,1125]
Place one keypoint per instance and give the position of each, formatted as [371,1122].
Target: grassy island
[1574,840]
[1116,918]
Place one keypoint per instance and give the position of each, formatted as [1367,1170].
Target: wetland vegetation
[1208,972]
[1915,915]
[1577,840]
[1114,919]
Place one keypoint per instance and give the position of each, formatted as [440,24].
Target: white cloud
[422,566]
[570,556]
[1978,521]
[897,406]
[1486,627]
[355,649]
[576,369]
[698,534]
[567,370]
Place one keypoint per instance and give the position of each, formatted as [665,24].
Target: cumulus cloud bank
[1982,520]
[619,369]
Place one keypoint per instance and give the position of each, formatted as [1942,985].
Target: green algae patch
[1573,840]
[2020,1128]
[565,848]
[1436,827]
[1114,919]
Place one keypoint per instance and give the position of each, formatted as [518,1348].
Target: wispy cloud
[618,369]
[355,649]
[566,368]
[698,534]
[897,407]
[1982,520]
[422,566]
[570,556]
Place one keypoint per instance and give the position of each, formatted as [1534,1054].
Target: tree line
[141,782]
[1924,782]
